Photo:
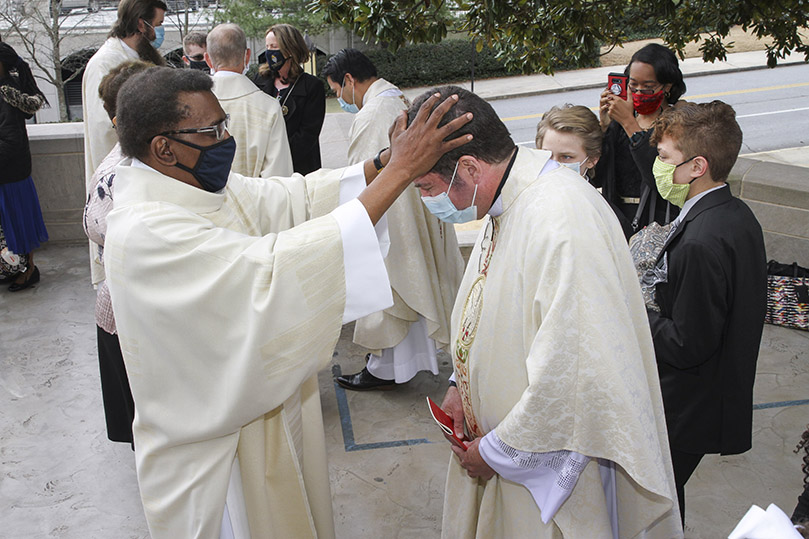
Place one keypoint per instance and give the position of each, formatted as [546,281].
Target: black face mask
[198,64]
[213,165]
[275,59]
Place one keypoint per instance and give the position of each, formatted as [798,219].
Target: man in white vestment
[262,148]
[134,36]
[229,295]
[554,378]
[424,264]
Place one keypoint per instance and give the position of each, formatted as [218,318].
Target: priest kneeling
[554,369]
[229,295]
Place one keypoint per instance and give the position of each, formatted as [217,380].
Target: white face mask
[576,167]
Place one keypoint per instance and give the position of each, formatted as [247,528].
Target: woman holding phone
[624,171]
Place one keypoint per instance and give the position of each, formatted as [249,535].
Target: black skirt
[119,408]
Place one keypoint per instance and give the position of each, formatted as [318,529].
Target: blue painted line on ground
[348,428]
[782,404]
[385,445]
[351,445]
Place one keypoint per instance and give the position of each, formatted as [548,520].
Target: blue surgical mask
[213,165]
[443,208]
[159,34]
[349,108]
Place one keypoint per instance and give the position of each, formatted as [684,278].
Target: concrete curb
[690,67]
[716,71]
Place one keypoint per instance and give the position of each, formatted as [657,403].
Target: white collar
[132,53]
[223,74]
[693,200]
[137,163]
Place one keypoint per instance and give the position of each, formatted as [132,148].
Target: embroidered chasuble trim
[470,318]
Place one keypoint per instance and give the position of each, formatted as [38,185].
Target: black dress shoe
[29,282]
[364,381]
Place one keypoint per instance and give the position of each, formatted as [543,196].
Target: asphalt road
[772,105]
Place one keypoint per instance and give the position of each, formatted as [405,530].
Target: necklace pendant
[284,110]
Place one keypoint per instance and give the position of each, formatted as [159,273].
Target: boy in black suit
[711,286]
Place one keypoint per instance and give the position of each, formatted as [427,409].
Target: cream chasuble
[99,136]
[228,298]
[424,263]
[551,347]
[256,123]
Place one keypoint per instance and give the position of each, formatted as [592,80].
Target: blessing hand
[417,147]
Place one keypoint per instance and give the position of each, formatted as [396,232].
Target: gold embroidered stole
[470,318]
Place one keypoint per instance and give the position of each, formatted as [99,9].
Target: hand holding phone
[616,84]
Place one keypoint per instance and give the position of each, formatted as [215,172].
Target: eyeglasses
[645,89]
[217,130]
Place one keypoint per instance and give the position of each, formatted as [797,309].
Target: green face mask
[664,178]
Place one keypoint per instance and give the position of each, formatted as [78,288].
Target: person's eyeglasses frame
[217,130]
[644,90]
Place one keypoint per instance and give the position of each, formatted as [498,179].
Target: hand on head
[417,148]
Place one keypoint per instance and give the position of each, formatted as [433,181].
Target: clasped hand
[470,460]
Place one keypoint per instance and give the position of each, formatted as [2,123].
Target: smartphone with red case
[616,82]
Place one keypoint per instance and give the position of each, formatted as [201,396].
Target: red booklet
[445,424]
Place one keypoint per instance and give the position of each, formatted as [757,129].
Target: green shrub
[429,64]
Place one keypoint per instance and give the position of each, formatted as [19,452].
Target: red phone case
[616,82]
[445,423]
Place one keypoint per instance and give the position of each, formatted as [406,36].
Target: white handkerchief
[760,524]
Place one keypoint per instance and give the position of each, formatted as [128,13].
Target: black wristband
[378,161]
[452,383]
[637,137]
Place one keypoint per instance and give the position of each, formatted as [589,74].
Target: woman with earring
[20,214]
[302,96]
[573,136]
[624,171]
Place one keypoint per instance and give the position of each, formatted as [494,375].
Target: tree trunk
[56,56]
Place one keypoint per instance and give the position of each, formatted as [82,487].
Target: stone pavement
[60,477]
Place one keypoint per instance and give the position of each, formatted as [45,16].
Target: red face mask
[647,104]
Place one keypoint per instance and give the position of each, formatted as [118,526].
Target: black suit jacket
[708,331]
[306,109]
